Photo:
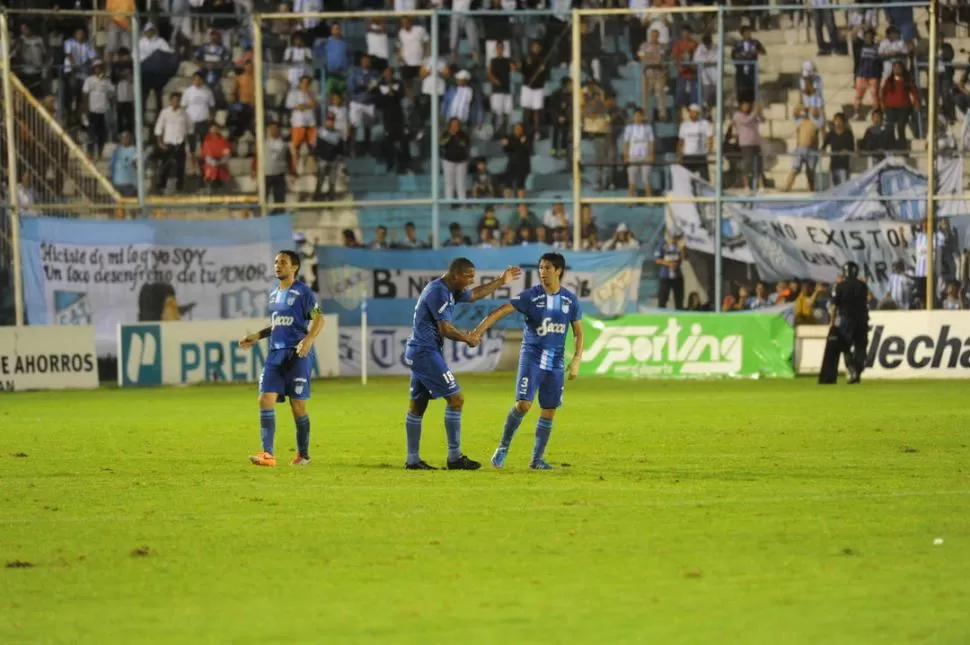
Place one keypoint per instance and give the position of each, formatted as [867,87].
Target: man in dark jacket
[849,312]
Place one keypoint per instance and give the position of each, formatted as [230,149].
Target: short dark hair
[293,256]
[460,265]
[557,260]
[409,225]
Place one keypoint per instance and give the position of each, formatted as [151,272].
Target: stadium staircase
[66,180]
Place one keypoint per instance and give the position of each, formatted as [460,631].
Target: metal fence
[344,121]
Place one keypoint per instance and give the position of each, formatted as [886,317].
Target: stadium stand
[372,127]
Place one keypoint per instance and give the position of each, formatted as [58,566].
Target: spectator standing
[125,100]
[808,125]
[278,164]
[411,44]
[119,27]
[596,126]
[892,49]
[123,166]
[639,154]
[824,17]
[330,151]
[497,29]
[694,142]
[900,100]
[535,74]
[199,103]
[216,153]
[900,291]
[683,55]
[460,99]
[172,131]
[500,69]
[878,140]
[433,75]
[745,57]
[303,117]
[461,20]
[670,255]
[868,73]
[299,60]
[653,56]
[337,61]
[98,93]
[152,83]
[455,153]
[378,45]
[561,111]
[214,59]
[746,124]
[395,147]
[363,84]
[841,144]
[518,151]
[705,57]
[30,53]
[78,55]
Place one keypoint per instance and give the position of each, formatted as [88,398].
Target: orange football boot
[263,459]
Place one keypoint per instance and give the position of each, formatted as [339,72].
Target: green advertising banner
[684,345]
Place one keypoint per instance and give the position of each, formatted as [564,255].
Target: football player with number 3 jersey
[550,311]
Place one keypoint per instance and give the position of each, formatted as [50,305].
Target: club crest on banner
[345,284]
[611,290]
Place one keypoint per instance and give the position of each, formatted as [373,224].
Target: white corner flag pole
[364,357]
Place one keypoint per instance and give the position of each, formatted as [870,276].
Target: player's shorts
[532,378]
[286,375]
[430,376]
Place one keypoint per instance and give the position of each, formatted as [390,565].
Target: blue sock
[512,423]
[303,436]
[453,432]
[267,428]
[412,424]
[543,430]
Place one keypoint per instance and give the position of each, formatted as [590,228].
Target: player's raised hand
[303,347]
[249,340]
[510,274]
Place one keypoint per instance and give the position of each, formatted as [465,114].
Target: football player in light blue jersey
[430,376]
[550,311]
[295,323]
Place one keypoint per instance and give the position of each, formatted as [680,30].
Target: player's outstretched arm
[493,317]
[448,330]
[251,339]
[485,290]
[577,327]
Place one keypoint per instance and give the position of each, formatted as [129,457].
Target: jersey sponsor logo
[281,321]
[548,327]
[648,349]
[141,358]
[921,352]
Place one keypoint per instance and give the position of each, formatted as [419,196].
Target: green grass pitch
[692,512]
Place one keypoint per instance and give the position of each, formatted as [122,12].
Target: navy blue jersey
[547,319]
[436,302]
[290,312]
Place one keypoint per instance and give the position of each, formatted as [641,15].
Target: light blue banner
[110,272]
[606,283]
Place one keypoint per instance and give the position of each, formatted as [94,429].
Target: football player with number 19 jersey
[550,311]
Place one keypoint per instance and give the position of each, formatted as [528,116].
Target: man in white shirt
[694,142]
[98,94]
[638,153]
[411,50]
[78,55]
[171,132]
[199,103]
[378,45]
[148,44]
[432,82]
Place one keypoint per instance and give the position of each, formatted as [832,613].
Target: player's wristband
[264,332]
